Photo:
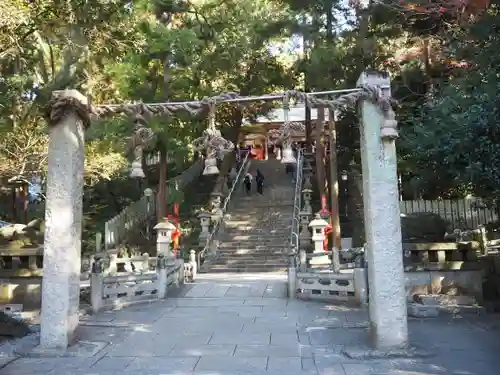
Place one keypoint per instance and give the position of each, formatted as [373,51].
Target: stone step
[257,268]
[251,235]
[260,231]
[255,254]
[271,206]
[237,235]
[245,251]
[252,244]
[250,262]
[259,227]
[256,245]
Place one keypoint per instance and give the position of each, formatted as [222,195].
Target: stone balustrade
[21,278]
[440,256]
[313,273]
[125,288]
[21,262]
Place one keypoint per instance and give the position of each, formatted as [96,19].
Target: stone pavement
[242,324]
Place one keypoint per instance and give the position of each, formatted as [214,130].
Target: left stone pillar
[68,118]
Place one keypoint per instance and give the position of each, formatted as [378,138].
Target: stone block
[84,349]
[215,365]
[285,365]
[442,299]
[112,364]
[279,351]
[193,350]
[167,365]
[241,338]
[284,338]
[416,310]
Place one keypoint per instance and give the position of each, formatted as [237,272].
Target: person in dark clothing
[259,179]
[247,182]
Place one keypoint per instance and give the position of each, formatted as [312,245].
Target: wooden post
[334,192]
[320,166]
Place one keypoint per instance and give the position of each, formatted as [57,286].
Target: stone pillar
[96,285]
[387,305]
[68,118]
[162,273]
[266,151]
[192,262]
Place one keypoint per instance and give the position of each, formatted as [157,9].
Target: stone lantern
[204,217]
[210,166]
[306,193]
[318,236]
[164,237]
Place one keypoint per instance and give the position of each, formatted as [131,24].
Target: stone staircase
[257,228]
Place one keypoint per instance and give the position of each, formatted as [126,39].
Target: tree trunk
[329,20]
[307,88]
[320,151]
[334,184]
[161,203]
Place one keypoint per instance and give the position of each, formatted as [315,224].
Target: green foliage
[118,51]
[455,141]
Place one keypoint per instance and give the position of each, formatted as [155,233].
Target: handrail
[224,208]
[297,201]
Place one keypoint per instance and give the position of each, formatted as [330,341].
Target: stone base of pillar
[84,349]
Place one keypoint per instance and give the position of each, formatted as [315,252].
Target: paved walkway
[242,324]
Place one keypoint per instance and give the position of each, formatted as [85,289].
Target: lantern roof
[318,222]
[164,225]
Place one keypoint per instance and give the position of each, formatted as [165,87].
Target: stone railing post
[96,285]
[305,234]
[68,118]
[164,237]
[205,218]
[161,271]
[318,237]
[306,196]
[192,262]
[384,254]
[292,277]
[361,286]
[307,172]
[302,260]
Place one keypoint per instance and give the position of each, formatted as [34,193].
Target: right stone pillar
[384,255]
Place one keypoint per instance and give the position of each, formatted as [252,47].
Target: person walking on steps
[247,183]
[259,179]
